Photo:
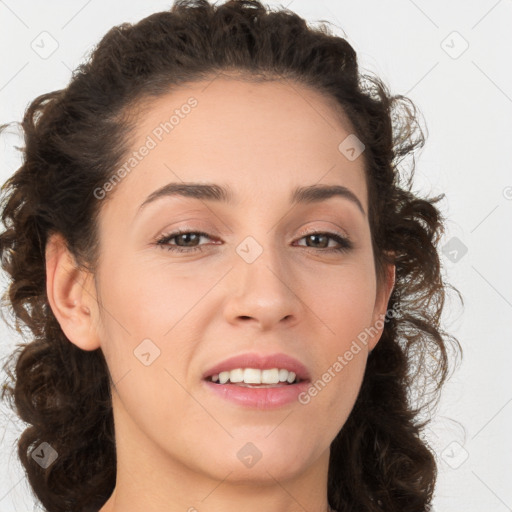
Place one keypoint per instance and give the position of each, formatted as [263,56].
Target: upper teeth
[255,376]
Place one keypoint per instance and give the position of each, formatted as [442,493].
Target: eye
[187,237]
[190,239]
[344,244]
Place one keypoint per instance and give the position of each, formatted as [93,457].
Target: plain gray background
[453,60]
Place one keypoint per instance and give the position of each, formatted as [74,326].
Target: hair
[74,140]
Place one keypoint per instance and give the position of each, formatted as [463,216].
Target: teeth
[235,375]
[223,377]
[270,376]
[255,376]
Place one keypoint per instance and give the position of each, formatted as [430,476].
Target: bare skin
[177,442]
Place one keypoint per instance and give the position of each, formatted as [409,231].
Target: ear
[71,294]
[384,291]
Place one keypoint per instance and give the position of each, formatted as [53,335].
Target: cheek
[144,312]
[148,300]
[345,307]
[344,300]
[160,304]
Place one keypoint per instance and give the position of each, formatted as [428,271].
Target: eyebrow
[213,192]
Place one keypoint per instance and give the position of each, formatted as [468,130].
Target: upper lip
[262,362]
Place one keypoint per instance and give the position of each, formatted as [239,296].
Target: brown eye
[322,239]
[186,241]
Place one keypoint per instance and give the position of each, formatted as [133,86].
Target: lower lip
[259,398]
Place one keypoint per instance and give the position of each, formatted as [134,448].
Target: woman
[232,291]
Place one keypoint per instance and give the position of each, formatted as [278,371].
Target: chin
[263,459]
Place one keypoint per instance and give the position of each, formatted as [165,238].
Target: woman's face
[256,283]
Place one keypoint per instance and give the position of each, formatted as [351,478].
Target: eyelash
[345,244]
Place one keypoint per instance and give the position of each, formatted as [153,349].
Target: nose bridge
[262,281]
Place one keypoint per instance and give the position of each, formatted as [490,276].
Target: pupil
[186,236]
[316,237]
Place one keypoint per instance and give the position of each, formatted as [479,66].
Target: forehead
[262,108]
[259,137]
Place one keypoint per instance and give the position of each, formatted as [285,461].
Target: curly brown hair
[76,137]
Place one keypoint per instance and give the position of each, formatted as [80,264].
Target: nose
[262,292]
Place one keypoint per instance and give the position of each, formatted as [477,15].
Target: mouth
[255,378]
[258,381]
[276,369]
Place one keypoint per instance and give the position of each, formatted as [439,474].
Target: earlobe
[70,294]
[381,304]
